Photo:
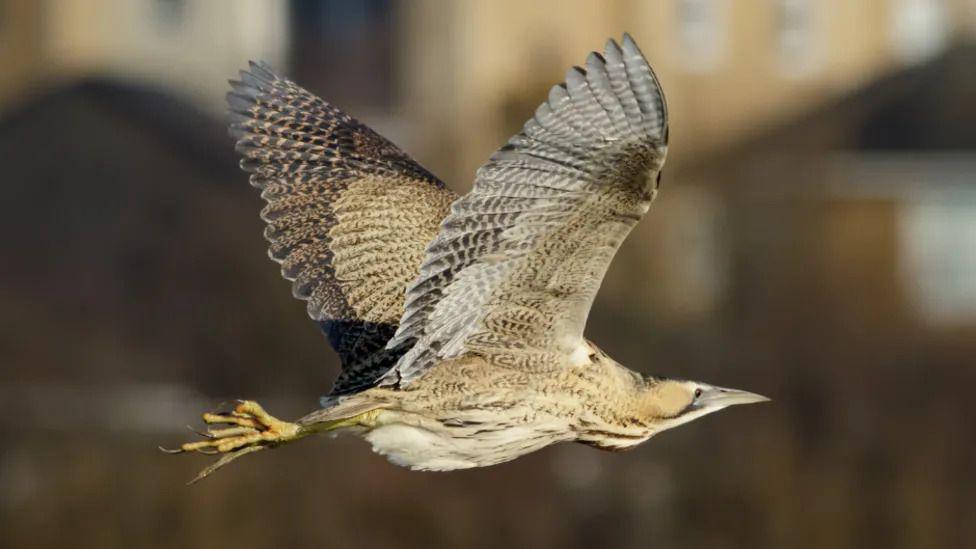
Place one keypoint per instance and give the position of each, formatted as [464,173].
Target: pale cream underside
[424,446]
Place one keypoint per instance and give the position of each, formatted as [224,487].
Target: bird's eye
[698,392]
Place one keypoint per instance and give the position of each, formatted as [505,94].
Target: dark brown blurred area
[814,241]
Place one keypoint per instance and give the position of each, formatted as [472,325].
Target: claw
[224,461]
[183,450]
[201,433]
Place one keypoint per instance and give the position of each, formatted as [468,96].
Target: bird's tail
[348,413]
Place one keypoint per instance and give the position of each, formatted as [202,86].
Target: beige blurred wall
[469,72]
[21,47]
[730,68]
[190,48]
[475,70]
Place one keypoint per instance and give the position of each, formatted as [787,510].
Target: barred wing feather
[513,272]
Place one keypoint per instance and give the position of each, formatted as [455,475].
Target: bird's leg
[251,429]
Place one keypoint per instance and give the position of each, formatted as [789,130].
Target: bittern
[459,320]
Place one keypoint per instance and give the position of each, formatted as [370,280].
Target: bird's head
[667,403]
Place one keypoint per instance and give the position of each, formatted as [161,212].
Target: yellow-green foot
[250,429]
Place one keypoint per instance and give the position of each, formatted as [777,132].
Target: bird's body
[449,419]
[459,320]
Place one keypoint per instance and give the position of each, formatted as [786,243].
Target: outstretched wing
[515,268]
[348,213]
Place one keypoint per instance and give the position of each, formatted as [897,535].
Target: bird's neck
[611,417]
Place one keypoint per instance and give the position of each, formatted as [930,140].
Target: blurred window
[919,29]
[797,37]
[939,243]
[168,15]
[702,33]
[936,201]
[344,51]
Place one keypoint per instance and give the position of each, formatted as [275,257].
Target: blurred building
[734,72]
[731,68]
[814,241]
[186,47]
[450,81]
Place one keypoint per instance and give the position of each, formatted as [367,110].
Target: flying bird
[459,320]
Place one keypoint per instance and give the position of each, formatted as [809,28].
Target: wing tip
[261,69]
[630,47]
[575,77]
[652,99]
[628,40]
[259,78]
[595,60]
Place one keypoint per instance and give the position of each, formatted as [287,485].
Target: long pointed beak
[720,396]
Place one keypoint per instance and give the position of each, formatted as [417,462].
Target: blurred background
[815,241]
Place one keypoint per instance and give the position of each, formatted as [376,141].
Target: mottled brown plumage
[349,214]
[459,321]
